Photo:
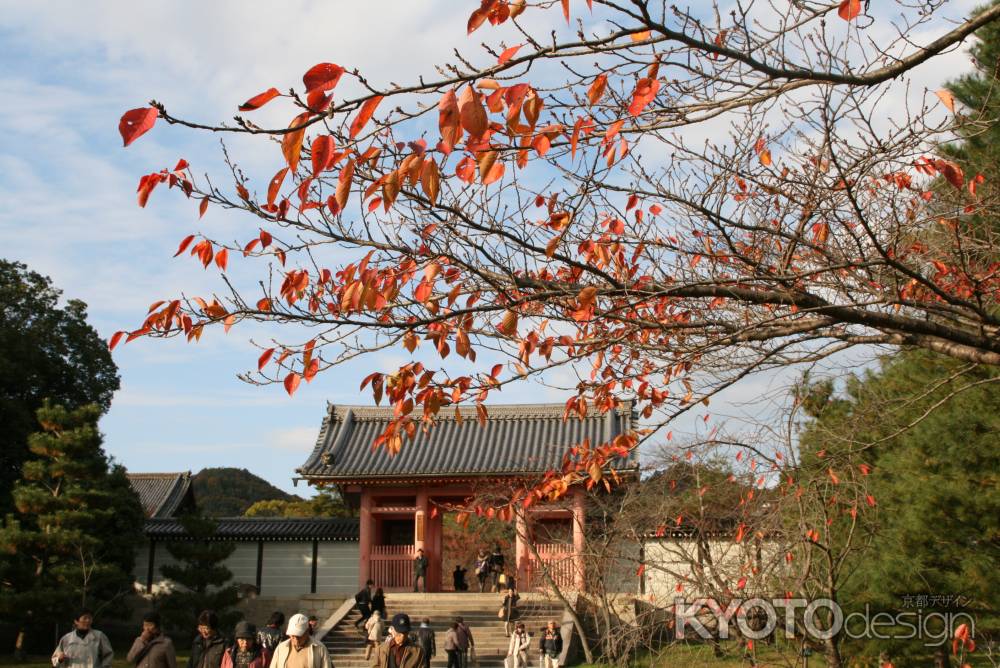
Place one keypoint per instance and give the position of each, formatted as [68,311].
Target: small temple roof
[262,528]
[161,494]
[517,439]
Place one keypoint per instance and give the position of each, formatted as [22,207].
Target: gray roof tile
[263,528]
[160,494]
[517,439]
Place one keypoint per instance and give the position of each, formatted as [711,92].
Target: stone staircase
[346,645]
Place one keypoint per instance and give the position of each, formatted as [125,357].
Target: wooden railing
[392,566]
[558,559]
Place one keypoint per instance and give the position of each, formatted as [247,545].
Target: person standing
[551,645]
[517,650]
[363,602]
[84,646]
[269,636]
[152,649]
[208,646]
[420,571]
[427,642]
[458,578]
[300,650]
[482,569]
[378,603]
[399,651]
[375,629]
[313,624]
[496,567]
[451,646]
[246,652]
[509,610]
[466,643]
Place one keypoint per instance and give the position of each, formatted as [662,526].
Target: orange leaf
[115,338]
[259,100]
[136,122]
[292,381]
[203,207]
[323,76]
[291,143]
[473,115]
[322,148]
[645,92]
[641,36]
[430,180]
[221,259]
[275,185]
[508,54]
[264,358]
[449,120]
[364,115]
[947,99]
[849,9]
[185,242]
[565,8]
[596,90]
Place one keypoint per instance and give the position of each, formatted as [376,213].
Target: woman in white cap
[301,650]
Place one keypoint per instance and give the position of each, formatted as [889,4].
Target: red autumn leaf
[466,169]
[291,143]
[264,358]
[259,100]
[185,242]
[274,187]
[136,122]
[849,9]
[203,207]
[951,172]
[364,115]
[115,338]
[865,469]
[476,19]
[741,583]
[833,476]
[739,533]
[508,54]
[292,381]
[323,76]
[640,570]
[222,259]
[947,99]
[596,90]
[870,500]
[322,148]
[449,120]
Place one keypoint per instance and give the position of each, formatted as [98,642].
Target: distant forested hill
[228,492]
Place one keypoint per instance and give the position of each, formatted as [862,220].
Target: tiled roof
[160,493]
[517,439]
[263,528]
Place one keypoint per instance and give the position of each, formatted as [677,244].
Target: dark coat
[207,653]
[425,638]
[551,643]
[413,656]
[420,566]
[157,653]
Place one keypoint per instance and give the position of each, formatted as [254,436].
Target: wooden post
[366,537]
[151,567]
[579,523]
[420,533]
[260,566]
[521,536]
[315,564]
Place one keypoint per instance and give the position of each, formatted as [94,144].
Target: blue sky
[69,71]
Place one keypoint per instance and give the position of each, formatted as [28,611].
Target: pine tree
[71,541]
[201,576]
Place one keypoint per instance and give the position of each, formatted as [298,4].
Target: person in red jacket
[246,653]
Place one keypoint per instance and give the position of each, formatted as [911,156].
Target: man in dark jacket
[425,638]
[152,649]
[551,645]
[399,652]
[208,646]
[419,571]
[363,602]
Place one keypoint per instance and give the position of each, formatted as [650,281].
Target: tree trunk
[941,658]
[831,650]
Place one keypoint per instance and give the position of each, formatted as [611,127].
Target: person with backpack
[551,645]
[482,569]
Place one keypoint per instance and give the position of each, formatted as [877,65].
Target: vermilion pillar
[420,538]
[579,520]
[521,550]
[366,537]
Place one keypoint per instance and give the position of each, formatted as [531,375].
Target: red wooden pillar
[579,523]
[521,557]
[420,537]
[366,537]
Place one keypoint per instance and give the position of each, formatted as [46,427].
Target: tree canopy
[47,351]
[229,492]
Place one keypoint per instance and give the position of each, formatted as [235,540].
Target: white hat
[298,624]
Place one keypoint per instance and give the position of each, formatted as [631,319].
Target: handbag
[501,613]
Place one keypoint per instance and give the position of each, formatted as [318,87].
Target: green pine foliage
[202,581]
[70,541]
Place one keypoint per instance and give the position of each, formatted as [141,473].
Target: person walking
[399,651]
[510,581]
[246,652]
[84,646]
[420,571]
[152,649]
[482,569]
[496,567]
[509,612]
[375,629]
[551,645]
[517,650]
[466,643]
[313,622]
[208,646]
[427,642]
[451,646]
[378,603]
[300,650]
[363,602]
[269,636]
